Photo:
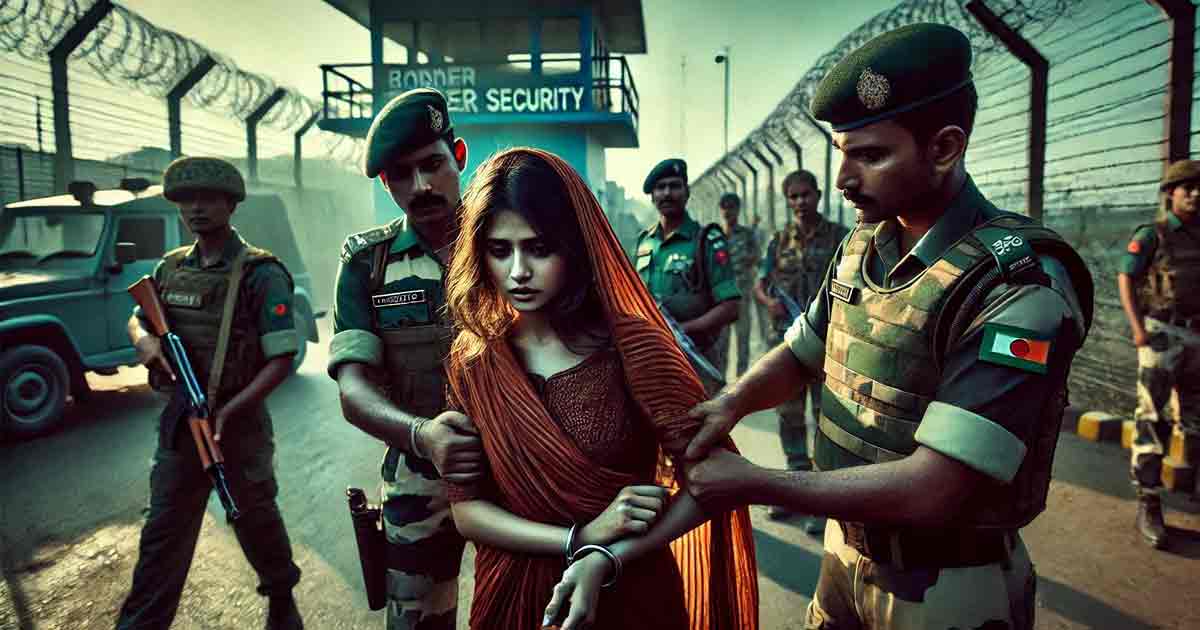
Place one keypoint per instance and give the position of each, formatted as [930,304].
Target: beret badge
[435,119]
[873,89]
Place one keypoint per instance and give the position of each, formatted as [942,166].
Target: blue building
[550,74]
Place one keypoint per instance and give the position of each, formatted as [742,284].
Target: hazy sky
[773,43]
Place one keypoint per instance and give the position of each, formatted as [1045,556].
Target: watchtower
[545,73]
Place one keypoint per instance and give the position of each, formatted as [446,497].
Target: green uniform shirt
[666,264]
[268,287]
[413,276]
[1140,251]
[983,412]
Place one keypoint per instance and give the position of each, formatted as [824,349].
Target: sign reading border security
[484,89]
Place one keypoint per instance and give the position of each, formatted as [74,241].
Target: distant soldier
[255,328]
[390,338]
[744,251]
[794,268]
[687,267]
[1159,284]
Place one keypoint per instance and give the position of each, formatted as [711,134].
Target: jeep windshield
[32,236]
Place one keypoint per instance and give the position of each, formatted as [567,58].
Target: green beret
[1179,172]
[730,199]
[189,174]
[671,167]
[893,73]
[408,122]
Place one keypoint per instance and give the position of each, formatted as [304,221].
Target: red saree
[543,476]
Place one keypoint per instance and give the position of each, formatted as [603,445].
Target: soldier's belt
[1187,323]
[930,549]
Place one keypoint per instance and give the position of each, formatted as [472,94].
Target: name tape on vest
[841,290]
[398,299]
[186,300]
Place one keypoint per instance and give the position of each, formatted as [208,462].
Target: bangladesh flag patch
[1015,347]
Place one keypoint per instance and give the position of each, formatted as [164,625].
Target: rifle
[789,303]
[145,293]
[372,551]
[689,348]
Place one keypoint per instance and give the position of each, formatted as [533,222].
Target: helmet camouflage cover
[190,174]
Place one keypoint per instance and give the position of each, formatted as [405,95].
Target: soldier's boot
[282,614]
[1150,521]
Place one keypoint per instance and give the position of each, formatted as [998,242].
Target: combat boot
[1150,520]
[283,614]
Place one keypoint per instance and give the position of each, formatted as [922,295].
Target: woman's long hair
[522,181]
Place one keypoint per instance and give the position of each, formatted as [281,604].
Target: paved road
[76,497]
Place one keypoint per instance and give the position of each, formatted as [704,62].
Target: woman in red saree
[581,397]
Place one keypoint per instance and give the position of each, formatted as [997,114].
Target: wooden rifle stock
[145,293]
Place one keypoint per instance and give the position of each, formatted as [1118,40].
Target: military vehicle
[65,263]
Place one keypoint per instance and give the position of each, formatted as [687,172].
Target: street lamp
[723,57]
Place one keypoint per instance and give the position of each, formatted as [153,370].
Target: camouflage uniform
[989,394]
[744,252]
[1164,260]
[795,263]
[388,315]
[263,329]
[668,267]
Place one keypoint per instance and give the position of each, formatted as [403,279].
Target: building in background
[547,74]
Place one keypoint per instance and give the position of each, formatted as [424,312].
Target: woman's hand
[577,594]
[630,514]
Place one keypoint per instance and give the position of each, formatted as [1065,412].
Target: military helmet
[189,174]
[1179,172]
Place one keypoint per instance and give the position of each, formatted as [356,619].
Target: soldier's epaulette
[178,252]
[357,243]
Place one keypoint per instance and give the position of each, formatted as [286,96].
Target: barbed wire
[126,50]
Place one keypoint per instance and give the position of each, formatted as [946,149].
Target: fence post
[297,151]
[1180,67]
[754,183]
[252,131]
[175,96]
[828,158]
[770,189]
[64,163]
[1039,74]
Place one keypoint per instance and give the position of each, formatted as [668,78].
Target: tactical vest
[413,355]
[800,268]
[194,299]
[1171,286]
[884,351]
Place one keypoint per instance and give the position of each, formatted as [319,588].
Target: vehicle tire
[34,382]
[302,328]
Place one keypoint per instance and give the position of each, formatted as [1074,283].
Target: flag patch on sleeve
[1016,347]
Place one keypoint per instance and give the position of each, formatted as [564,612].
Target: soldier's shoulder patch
[1016,347]
[356,243]
[1134,247]
[721,257]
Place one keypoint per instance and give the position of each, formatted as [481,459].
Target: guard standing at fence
[1159,284]
[391,336]
[792,270]
[744,252]
[224,298]
[686,267]
[945,329]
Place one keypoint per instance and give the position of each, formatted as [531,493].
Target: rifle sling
[218,366]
